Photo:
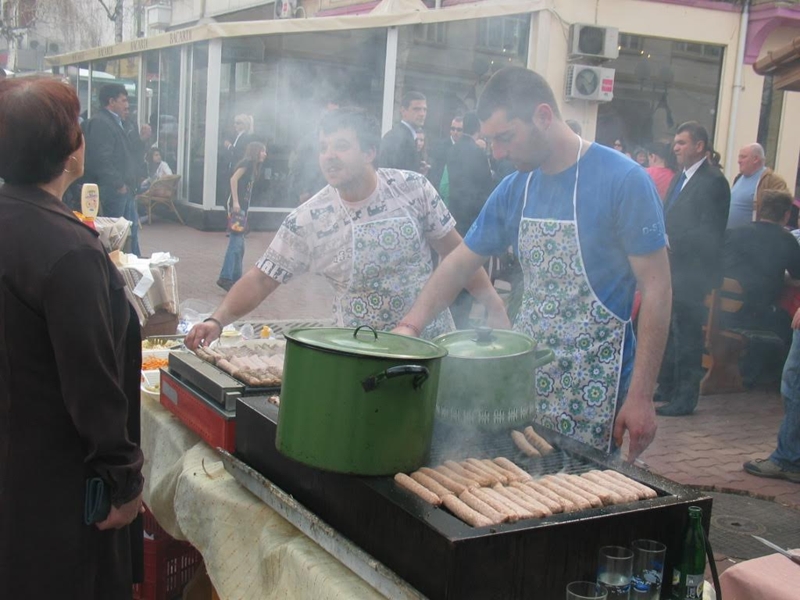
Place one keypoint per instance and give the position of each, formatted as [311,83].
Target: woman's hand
[236,208]
[121,516]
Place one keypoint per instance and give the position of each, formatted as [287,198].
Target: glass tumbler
[586,590]
[614,570]
[648,569]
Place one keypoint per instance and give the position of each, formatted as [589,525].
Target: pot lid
[485,343]
[365,341]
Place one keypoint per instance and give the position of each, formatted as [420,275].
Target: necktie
[676,190]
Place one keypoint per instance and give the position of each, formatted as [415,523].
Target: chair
[164,190]
[726,346]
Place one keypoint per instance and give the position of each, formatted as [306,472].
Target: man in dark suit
[441,151]
[398,147]
[110,158]
[696,207]
[470,185]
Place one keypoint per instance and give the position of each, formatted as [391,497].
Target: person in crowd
[758,255]
[441,150]
[784,462]
[398,148]
[422,150]
[470,181]
[640,156]
[244,183]
[696,213]
[235,149]
[749,186]
[156,168]
[305,177]
[619,146]
[370,233]
[111,159]
[575,126]
[587,226]
[660,158]
[69,368]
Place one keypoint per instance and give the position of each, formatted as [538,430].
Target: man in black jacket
[441,150]
[398,147]
[110,158]
[696,207]
[470,185]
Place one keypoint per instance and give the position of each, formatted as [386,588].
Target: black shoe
[225,284]
[674,409]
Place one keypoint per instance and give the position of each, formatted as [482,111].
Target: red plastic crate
[168,564]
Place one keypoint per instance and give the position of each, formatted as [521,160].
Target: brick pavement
[706,449]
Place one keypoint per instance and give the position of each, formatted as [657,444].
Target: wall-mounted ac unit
[584,82]
[591,41]
[159,16]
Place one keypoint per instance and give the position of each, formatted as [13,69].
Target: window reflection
[195,125]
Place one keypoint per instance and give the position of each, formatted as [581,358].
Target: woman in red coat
[70,356]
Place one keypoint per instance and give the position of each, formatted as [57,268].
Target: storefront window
[285,82]
[659,84]
[163,78]
[78,76]
[451,62]
[769,123]
[195,125]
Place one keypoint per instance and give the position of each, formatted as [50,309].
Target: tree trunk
[118,21]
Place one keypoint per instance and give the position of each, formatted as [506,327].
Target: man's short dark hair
[365,126]
[697,132]
[471,124]
[409,97]
[660,149]
[518,91]
[110,91]
[774,205]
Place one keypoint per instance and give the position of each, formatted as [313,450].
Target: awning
[783,64]
[389,13]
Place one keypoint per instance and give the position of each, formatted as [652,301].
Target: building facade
[203,62]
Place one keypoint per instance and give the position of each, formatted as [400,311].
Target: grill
[443,557]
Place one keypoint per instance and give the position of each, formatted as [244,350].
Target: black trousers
[682,368]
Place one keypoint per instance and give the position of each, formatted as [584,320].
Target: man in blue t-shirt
[587,226]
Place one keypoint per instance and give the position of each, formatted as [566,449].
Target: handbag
[98,501]
[237,222]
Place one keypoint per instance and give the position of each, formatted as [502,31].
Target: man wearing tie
[696,207]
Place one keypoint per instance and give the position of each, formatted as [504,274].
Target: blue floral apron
[389,272]
[577,392]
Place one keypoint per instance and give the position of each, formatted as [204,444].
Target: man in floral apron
[587,225]
[370,233]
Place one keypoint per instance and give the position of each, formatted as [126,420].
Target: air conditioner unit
[159,16]
[591,41]
[284,9]
[584,82]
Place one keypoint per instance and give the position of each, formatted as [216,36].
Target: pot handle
[360,327]
[542,358]
[420,375]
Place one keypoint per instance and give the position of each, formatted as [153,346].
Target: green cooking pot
[358,401]
[488,378]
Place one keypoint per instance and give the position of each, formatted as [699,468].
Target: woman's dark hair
[518,91]
[365,126]
[250,159]
[148,157]
[39,129]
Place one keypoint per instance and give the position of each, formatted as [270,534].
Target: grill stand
[362,564]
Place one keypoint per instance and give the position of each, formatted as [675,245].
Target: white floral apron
[577,392]
[389,272]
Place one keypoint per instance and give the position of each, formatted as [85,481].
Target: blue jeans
[123,205]
[787,454]
[234,256]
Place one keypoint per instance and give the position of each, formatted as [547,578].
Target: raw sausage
[491,497]
[498,477]
[464,470]
[412,486]
[431,484]
[555,485]
[529,501]
[566,505]
[451,485]
[626,494]
[552,505]
[466,482]
[482,507]
[523,444]
[538,441]
[511,467]
[464,512]
[564,482]
[644,490]
[606,494]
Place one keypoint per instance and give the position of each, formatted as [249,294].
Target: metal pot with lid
[488,378]
[358,401]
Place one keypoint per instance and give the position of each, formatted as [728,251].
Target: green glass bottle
[687,576]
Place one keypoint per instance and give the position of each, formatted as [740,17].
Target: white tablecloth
[249,550]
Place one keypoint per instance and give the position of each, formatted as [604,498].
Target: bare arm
[637,414]
[250,291]
[237,175]
[452,275]
[480,286]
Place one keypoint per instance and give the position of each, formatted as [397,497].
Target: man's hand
[202,334]
[638,416]
[497,317]
[122,516]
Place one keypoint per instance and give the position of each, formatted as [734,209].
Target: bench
[164,190]
[725,346]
